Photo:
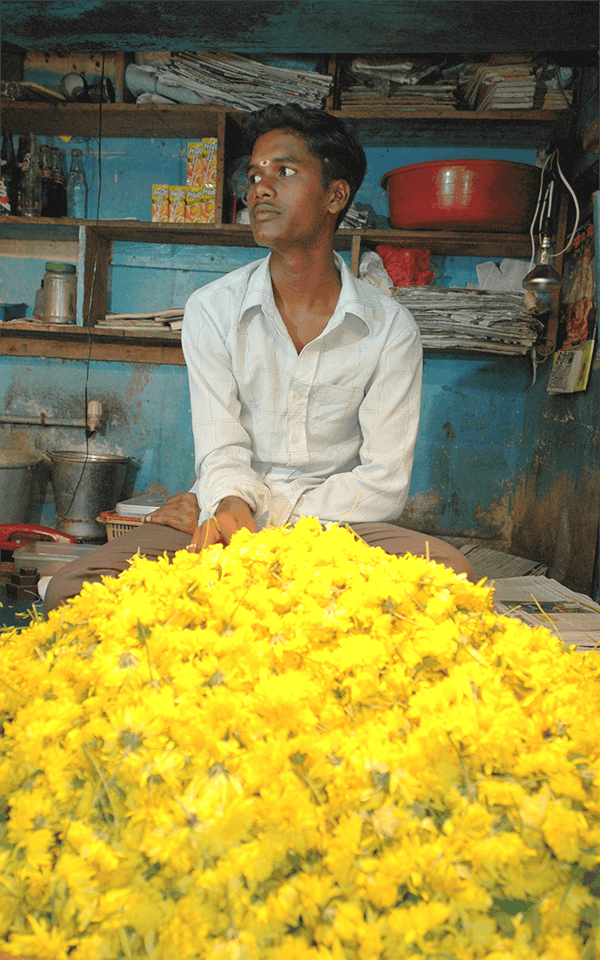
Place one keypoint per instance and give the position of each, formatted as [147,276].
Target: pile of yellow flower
[296,748]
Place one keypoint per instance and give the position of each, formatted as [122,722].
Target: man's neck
[306,290]
[305,281]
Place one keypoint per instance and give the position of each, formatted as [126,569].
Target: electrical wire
[87,320]
[577,212]
[551,159]
[542,351]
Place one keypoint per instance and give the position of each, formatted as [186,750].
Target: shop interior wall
[465,471]
[556,512]
[496,459]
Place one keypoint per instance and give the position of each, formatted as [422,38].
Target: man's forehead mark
[265,163]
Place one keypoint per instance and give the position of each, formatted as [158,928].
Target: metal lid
[80,456]
[60,268]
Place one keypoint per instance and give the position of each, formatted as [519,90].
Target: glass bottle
[10,177]
[48,188]
[77,187]
[59,183]
[31,181]
[21,151]
[64,172]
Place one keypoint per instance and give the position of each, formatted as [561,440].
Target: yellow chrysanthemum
[296,748]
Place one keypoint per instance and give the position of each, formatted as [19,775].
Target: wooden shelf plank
[138,346]
[118,119]
[455,243]
[388,126]
[70,342]
[428,127]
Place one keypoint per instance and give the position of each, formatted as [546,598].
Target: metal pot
[16,476]
[84,486]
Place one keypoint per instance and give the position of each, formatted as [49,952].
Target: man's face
[289,205]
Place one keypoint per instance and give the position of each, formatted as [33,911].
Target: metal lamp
[544,279]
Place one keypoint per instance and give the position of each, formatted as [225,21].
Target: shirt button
[297,396]
[296,438]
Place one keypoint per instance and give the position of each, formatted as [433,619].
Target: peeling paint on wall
[557,523]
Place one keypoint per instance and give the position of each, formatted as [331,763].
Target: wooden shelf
[429,127]
[455,243]
[389,126]
[145,120]
[69,342]
[53,341]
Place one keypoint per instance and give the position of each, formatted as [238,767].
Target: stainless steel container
[60,293]
[84,486]
[16,475]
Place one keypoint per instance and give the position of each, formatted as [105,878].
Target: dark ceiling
[342,26]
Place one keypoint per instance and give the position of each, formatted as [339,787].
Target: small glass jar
[60,293]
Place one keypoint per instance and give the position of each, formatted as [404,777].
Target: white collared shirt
[329,432]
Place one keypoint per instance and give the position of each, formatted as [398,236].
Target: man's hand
[181,512]
[232,514]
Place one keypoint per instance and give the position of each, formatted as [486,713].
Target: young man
[304,381]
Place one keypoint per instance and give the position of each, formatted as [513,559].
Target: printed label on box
[202,162]
[177,204]
[200,205]
[160,202]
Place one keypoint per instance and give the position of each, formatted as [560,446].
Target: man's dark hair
[327,138]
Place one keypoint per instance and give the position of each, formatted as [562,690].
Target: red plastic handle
[14,535]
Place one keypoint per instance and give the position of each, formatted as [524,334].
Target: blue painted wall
[148,420]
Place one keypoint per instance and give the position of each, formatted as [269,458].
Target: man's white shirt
[329,432]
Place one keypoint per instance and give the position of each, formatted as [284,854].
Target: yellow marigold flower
[296,747]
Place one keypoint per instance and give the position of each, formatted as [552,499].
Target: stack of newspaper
[476,320]
[153,319]
[515,82]
[542,602]
[501,86]
[409,83]
[225,79]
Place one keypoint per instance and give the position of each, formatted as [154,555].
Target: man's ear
[339,194]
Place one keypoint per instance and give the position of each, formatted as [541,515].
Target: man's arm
[182,513]
[223,448]
[233,514]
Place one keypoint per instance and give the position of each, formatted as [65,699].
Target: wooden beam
[98,255]
[378,26]
[77,343]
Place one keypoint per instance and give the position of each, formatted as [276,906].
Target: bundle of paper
[406,83]
[496,87]
[406,98]
[515,82]
[409,70]
[470,319]
[542,602]
[152,319]
[227,79]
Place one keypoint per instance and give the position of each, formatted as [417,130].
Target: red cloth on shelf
[407,267]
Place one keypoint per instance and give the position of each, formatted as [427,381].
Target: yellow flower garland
[296,748]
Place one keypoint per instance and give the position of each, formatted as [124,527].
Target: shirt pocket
[332,415]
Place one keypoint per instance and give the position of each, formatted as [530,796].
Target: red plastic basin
[498,196]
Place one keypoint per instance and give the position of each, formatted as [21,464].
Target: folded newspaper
[224,79]
[542,602]
[478,320]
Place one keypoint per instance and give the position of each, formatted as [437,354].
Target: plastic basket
[116,526]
